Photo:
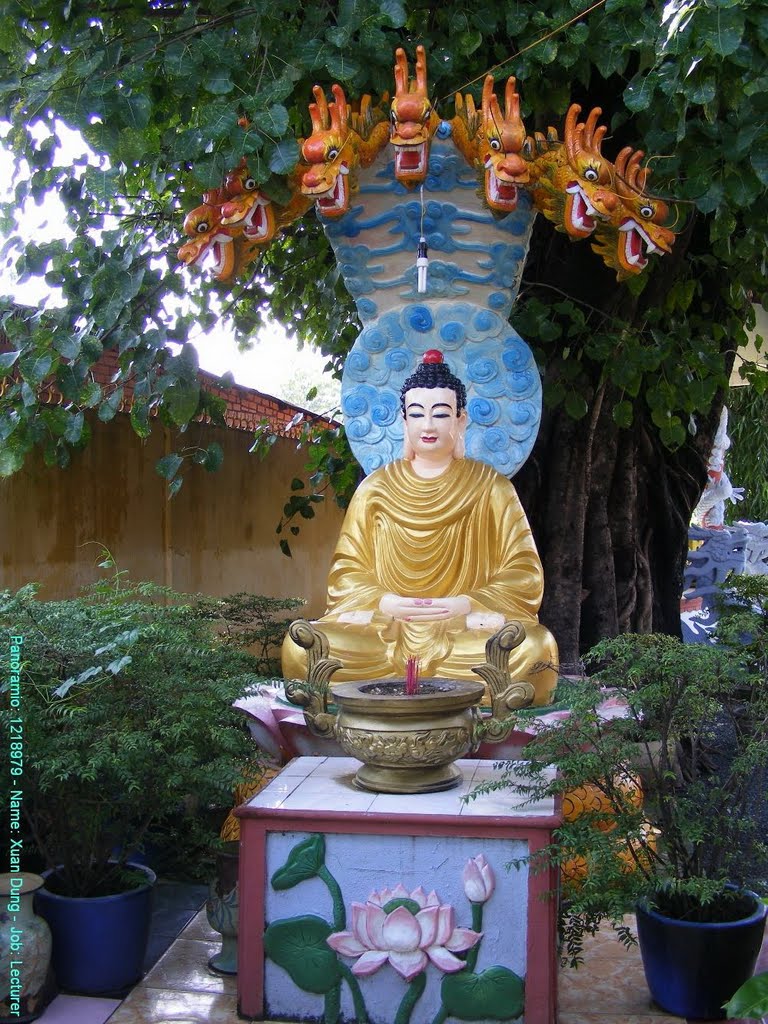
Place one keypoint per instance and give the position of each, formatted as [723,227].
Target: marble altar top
[326,784]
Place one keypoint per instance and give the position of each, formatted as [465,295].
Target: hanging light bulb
[422,259]
[422,263]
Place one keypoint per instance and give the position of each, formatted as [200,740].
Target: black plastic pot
[693,968]
[99,942]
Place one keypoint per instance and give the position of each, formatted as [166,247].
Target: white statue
[710,511]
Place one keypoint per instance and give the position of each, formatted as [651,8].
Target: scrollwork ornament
[312,695]
[506,694]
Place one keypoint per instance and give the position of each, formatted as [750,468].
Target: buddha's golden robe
[463,532]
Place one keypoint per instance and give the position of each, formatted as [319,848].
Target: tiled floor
[181,989]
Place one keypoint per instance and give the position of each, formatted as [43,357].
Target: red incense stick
[412,676]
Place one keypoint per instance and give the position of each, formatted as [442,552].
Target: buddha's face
[432,425]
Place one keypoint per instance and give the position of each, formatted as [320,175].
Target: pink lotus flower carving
[406,929]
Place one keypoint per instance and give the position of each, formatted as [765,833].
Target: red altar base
[316,795]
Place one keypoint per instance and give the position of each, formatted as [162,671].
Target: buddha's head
[434,405]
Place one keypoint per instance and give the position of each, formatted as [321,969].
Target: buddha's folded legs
[380,649]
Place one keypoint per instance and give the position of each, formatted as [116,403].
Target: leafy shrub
[695,733]
[125,698]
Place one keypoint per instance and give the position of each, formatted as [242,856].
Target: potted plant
[123,705]
[694,737]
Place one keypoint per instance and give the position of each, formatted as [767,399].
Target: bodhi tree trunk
[608,501]
[610,509]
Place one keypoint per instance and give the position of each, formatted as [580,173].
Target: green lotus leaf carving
[304,861]
[495,994]
[298,945]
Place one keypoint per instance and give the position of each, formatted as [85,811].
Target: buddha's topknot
[432,372]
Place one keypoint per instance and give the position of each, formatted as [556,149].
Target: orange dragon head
[571,181]
[501,141]
[204,226]
[636,227]
[413,120]
[329,154]
[246,208]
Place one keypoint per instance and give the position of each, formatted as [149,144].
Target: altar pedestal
[394,907]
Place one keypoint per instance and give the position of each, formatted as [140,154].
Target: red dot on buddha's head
[432,355]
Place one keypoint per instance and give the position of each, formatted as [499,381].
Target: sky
[270,366]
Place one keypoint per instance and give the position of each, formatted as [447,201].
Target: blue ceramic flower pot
[99,942]
[693,968]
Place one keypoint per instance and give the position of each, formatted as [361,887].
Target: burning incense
[412,676]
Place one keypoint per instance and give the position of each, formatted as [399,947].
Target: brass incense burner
[408,742]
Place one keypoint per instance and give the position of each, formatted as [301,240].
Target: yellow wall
[216,536]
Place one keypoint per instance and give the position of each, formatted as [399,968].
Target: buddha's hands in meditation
[424,609]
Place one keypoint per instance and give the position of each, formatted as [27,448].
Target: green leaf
[181,401]
[575,405]
[275,121]
[56,420]
[623,414]
[140,418]
[66,345]
[393,11]
[41,368]
[169,465]
[91,394]
[296,484]
[214,456]
[110,405]
[299,945]
[638,95]
[751,1000]
[469,41]
[304,861]
[759,160]
[137,109]
[11,459]
[7,359]
[219,82]
[284,156]
[495,994]
[341,66]
[720,28]
[74,430]
[702,91]
[186,363]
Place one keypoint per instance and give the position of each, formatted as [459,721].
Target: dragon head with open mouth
[570,181]
[208,235]
[636,228]
[413,120]
[500,146]
[247,207]
[330,154]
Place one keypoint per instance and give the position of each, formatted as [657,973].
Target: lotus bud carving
[479,879]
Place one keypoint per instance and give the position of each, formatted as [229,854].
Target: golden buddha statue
[435,554]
